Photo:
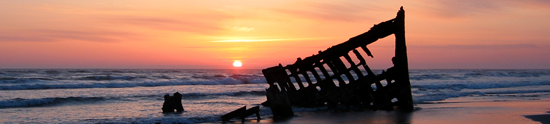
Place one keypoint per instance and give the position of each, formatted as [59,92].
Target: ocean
[136,95]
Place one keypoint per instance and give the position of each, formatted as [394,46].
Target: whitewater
[136,95]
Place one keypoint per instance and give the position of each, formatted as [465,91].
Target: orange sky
[205,34]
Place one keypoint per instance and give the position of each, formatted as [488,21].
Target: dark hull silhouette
[328,68]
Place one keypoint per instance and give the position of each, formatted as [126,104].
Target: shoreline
[448,112]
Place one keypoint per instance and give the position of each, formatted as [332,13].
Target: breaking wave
[479,85]
[124,84]
[18,102]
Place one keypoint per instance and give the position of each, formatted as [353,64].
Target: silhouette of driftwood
[242,113]
[320,78]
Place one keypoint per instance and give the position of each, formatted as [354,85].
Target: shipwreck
[320,78]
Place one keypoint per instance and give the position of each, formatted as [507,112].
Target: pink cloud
[48,35]
[331,11]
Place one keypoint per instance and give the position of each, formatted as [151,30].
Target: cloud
[62,35]
[496,46]
[97,32]
[469,8]
[5,38]
[184,23]
[457,8]
[240,28]
[265,40]
[334,11]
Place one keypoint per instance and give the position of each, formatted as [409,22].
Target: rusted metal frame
[327,82]
[362,62]
[303,71]
[286,81]
[367,68]
[316,75]
[355,86]
[336,73]
[354,66]
[378,31]
[402,63]
[289,85]
[323,70]
[294,74]
[278,75]
[342,69]
[365,62]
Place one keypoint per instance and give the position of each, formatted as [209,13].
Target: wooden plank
[253,110]
[237,113]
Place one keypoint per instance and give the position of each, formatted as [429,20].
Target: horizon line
[265,68]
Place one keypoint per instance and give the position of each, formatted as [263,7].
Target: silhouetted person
[177,102]
[168,105]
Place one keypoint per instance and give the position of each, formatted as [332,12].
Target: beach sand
[443,112]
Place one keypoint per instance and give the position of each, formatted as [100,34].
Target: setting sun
[237,63]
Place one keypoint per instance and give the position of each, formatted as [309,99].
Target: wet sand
[444,112]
